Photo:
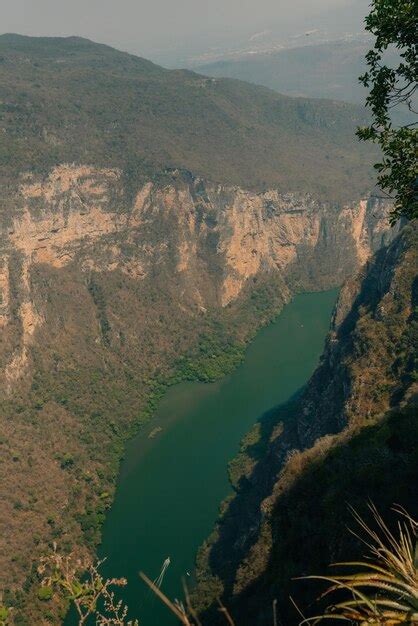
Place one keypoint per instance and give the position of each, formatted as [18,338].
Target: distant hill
[328,70]
[72,100]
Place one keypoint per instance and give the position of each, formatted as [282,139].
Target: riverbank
[218,349]
[170,487]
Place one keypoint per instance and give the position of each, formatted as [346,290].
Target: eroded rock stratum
[77,215]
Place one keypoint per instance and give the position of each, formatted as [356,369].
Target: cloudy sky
[170,30]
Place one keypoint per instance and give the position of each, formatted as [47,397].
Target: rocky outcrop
[359,377]
[206,233]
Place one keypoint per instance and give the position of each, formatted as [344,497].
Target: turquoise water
[170,486]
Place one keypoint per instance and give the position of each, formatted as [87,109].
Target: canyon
[75,256]
[217,238]
[151,222]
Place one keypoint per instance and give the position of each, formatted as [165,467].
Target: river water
[171,485]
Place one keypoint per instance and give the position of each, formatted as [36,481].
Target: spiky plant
[383,590]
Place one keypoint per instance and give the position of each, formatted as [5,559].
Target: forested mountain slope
[350,439]
[65,100]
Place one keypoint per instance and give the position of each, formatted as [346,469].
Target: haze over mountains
[174,34]
[320,70]
[324,69]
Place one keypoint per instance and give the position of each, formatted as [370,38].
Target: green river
[171,485]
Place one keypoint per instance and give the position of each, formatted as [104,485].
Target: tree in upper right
[394,23]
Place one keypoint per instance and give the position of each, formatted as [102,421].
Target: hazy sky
[158,28]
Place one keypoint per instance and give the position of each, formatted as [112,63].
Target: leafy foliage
[394,23]
[81,584]
[4,614]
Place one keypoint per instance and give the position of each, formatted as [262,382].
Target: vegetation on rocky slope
[71,100]
[391,85]
[349,439]
[60,481]
[96,327]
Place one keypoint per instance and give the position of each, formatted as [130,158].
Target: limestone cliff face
[213,238]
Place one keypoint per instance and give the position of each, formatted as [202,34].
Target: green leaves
[44,593]
[385,590]
[394,23]
[4,614]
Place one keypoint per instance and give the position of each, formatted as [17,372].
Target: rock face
[205,234]
[347,439]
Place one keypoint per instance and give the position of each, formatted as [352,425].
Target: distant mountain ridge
[323,70]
